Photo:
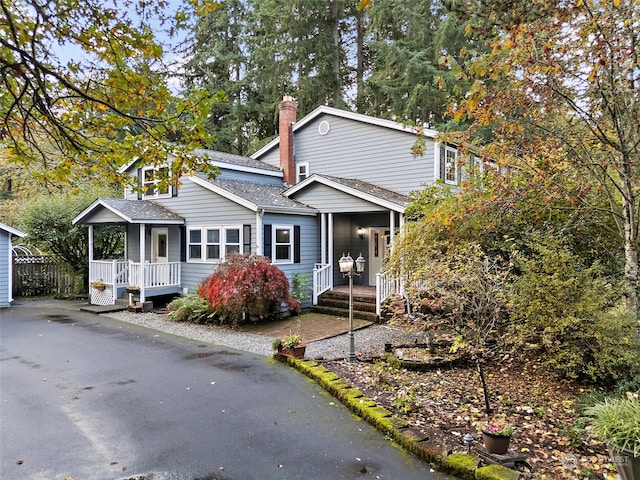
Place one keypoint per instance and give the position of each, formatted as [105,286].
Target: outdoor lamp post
[349,268]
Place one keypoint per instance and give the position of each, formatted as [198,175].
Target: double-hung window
[283,244]
[150,180]
[302,171]
[450,174]
[213,244]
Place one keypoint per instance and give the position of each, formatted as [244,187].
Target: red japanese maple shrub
[248,288]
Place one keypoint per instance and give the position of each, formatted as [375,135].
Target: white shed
[6,264]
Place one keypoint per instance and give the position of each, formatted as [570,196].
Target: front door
[160,245]
[158,273]
[378,241]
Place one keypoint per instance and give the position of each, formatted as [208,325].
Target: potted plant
[496,435]
[98,284]
[616,421]
[291,346]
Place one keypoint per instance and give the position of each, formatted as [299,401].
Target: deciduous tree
[560,94]
[83,88]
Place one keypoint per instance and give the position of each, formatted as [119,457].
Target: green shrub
[191,308]
[564,311]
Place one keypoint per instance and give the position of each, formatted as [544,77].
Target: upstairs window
[150,180]
[302,171]
[450,174]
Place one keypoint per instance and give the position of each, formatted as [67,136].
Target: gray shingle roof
[370,189]
[232,159]
[141,210]
[261,194]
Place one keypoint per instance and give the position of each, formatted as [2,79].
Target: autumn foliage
[248,288]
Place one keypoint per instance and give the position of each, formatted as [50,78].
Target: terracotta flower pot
[294,352]
[497,444]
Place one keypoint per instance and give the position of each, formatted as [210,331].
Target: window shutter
[174,188]
[246,239]
[296,244]
[443,154]
[139,183]
[183,243]
[267,242]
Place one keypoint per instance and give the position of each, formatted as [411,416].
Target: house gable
[334,195]
[334,142]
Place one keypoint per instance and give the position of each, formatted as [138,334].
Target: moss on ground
[461,465]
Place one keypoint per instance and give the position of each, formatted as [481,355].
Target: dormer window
[150,180]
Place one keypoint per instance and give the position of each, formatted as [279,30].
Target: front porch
[384,287]
[121,276]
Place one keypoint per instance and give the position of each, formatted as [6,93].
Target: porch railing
[322,280]
[149,275]
[120,273]
[386,285]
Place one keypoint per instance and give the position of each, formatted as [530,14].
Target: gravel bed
[369,341]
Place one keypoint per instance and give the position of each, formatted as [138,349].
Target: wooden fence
[44,275]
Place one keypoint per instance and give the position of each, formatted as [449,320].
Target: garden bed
[444,404]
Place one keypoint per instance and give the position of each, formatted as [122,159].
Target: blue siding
[309,247]
[358,150]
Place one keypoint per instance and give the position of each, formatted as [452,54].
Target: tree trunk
[335,25]
[629,200]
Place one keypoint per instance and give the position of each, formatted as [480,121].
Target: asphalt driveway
[88,397]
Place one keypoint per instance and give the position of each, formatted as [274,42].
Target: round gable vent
[324,128]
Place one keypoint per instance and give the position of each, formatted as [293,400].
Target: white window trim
[155,194]
[298,168]
[456,178]
[274,244]
[203,242]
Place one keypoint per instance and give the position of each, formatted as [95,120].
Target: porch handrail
[322,274]
[387,285]
[111,272]
[154,274]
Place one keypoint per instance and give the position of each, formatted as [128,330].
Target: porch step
[337,303]
[344,312]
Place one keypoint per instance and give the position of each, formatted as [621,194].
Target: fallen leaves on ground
[448,403]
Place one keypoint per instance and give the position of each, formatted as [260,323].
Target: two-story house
[332,182]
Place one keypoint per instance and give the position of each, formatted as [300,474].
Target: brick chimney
[287,117]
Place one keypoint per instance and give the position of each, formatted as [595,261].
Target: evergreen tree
[218,63]
[415,47]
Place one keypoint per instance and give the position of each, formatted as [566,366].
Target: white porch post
[330,252]
[90,243]
[143,254]
[91,273]
[323,238]
[392,227]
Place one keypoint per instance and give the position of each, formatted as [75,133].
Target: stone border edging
[462,465]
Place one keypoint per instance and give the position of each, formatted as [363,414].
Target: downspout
[259,246]
[330,260]
[323,238]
